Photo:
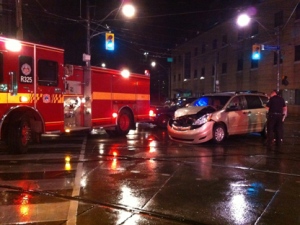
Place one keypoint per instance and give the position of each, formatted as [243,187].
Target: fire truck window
[1,68]
[47,73]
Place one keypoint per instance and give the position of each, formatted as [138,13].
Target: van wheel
[219,133]
[124,123]
[19,136]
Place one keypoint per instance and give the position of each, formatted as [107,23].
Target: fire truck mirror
[13,89]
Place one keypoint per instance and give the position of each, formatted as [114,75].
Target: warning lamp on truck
[13,45]
[125,73]
[24,99]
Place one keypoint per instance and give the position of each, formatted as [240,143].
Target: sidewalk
[292,128]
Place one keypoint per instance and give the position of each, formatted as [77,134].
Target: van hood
[191,110]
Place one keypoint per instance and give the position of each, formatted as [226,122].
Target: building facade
[220,59]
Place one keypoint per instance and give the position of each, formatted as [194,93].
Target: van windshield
[216,101]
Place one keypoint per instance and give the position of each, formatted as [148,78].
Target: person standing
[277,111]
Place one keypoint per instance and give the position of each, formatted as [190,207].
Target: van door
[237,116]
[256,113]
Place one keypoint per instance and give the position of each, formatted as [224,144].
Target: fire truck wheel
[19,136]
[124,123]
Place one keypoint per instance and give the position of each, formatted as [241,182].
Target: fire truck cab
[39,94]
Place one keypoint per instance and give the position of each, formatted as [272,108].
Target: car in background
[218,115]
[160,115]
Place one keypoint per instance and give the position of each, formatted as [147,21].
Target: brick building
[220,58]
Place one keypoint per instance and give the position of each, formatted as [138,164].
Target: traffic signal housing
[109,41]
[256,52]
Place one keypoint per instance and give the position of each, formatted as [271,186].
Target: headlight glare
[202,120]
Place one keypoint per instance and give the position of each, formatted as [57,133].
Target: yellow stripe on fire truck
[119,96]
[29,98]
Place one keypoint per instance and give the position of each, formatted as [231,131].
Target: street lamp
[243,20]
[163,82]
[128,11]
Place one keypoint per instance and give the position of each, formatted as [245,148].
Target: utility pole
[87,69]
[278,58]
[19,21]
[88,34]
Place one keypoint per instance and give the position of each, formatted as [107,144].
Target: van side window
[253,102]
[264,100]
[1,68]
[47,73]
[236,104]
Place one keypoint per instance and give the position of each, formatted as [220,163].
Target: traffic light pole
[87,68]
[278,58]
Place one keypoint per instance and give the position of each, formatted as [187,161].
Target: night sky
[157,27]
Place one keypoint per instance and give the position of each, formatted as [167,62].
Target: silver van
[218,115]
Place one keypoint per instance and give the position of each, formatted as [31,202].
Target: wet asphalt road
[146,179]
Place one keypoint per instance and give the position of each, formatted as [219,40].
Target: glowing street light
[243,20]
[128,10]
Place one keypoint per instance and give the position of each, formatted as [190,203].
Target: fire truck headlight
[24,99]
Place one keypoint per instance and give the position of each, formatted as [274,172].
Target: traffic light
[284,81]
[109,41]
[256,52]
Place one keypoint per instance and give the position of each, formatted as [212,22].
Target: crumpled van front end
[192,124]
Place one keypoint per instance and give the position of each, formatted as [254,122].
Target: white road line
[72,214]
[270,190]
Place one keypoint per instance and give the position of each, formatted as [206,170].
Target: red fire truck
[39,94]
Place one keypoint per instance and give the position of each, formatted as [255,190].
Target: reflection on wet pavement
[144,178]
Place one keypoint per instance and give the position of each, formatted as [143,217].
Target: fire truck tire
[19,136]
[124,122]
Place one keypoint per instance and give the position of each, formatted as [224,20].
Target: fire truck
[39,94]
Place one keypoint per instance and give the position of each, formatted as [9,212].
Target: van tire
[219,133]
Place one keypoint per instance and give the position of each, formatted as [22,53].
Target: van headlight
[202,120]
